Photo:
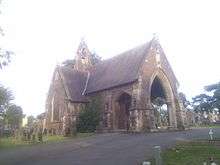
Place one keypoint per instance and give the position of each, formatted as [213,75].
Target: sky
[43,33]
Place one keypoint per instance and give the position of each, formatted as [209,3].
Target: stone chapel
[127,84]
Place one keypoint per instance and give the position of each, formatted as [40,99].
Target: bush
[89,117]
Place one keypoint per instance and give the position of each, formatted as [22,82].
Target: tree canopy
[208,101]
[5,58]
[202,103]
[6,97]
[13,116]
[30,121]
[215,99]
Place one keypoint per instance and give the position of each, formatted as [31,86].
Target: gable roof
[116,71]
[74,83]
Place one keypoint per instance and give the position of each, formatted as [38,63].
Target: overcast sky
[43,33]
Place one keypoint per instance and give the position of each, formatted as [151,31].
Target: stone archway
[160,87]
[123,111]
[158,101]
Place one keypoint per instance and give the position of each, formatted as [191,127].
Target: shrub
[89,117]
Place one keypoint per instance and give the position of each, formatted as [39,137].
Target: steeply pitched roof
[119,70]
[74,83]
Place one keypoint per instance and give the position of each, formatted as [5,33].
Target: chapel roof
[74,83]
[118,70]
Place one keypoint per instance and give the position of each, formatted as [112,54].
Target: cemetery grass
[194,152]
[208,126]
[11,142]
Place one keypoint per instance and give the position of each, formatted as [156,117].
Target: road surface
[100,149]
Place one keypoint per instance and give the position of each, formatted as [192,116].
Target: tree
[215,99]
[5,58]
[202,103]
[30,121]
[14,116]
[89,117]
[160,112]
[5,94]
[95,58]
[5,97]
[159,101]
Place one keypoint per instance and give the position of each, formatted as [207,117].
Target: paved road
[101,149]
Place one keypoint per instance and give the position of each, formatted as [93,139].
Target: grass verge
[192,153]
[11,142]
[208,126]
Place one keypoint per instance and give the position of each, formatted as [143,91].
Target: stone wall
[156,64]
[109,106]
[56,105]
[141,117]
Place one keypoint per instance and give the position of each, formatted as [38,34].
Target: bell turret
[83,56]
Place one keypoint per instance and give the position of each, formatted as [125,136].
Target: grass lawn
[10,142]
[208,126]
[192,153]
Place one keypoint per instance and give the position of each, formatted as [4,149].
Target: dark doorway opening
[123,112]
[157,89]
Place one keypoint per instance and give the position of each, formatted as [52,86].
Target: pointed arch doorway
[161,96]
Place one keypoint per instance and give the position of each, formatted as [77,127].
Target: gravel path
[100,149]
